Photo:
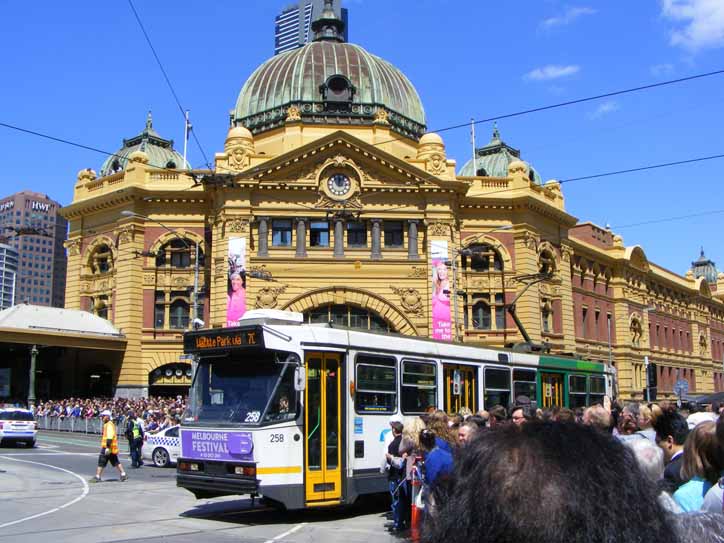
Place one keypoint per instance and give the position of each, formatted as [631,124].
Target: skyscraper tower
[292,25]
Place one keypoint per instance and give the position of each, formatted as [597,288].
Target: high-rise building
[30,224]
[8,273]
[292,25]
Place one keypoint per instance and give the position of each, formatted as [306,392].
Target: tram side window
[596,390]
[524,385]
[419,391]
[497,387]
[576,391]
[376,384]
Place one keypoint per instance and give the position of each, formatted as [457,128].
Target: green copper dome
[161,153]
[493,160]
[330,82]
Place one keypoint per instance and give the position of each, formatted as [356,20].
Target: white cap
[105,413]
[396,418]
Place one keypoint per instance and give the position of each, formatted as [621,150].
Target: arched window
[178,253]
[179,314]
[101,261]
[481,316]
[481,257]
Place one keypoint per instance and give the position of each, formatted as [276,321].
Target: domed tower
[493,160]
[329,82]
[160,152]
[703,267]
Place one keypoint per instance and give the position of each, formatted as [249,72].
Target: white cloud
[567,17]
[609,106]
[700,23]
[659,70]
[551,71]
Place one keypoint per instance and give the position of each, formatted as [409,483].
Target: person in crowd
[698,416]
[411,450]
[563,414]
[465,412]
[438,460]
[135,439]
[437,422]
[671,432]
[484,415]
[701,466]
[497,416]
[480,422]
[524,485]
[650,459]
[467,431]
[396,473]
[628,425]
[109,449]
[597,417]
[714,499]
[521,414]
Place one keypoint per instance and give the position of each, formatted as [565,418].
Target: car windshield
[246,388]
[16,415]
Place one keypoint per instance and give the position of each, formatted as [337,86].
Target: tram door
[460,388]
[551,389]
[323,473]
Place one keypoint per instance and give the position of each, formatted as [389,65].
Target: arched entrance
[170,380]
[355,308]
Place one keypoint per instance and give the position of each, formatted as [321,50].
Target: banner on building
[5,382]
[441,291]
[236,289]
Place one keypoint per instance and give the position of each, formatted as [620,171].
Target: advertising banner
[5,382]
[216,445]
[441,291]
[236,289]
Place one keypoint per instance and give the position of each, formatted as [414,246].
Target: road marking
[281,536]
[86,489]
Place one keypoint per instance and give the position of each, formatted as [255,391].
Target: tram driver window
[375,384]
[418,392]
[524,384]
[497,387]
[597,390]
[576,391]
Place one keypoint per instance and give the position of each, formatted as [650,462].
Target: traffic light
[651,382]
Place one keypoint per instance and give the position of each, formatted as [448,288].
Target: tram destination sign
[222,339]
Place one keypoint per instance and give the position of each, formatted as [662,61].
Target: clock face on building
[339,184]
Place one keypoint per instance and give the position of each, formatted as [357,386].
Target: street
[45,496]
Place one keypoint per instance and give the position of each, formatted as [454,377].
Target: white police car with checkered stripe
[162,448]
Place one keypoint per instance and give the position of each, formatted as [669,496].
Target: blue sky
[83,71]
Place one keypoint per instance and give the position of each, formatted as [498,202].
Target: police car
[17,425]
[162,448]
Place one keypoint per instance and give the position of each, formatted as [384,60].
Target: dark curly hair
[547,482]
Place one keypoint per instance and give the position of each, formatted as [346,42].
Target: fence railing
[76,424]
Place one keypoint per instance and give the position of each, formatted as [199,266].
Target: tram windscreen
[243,389]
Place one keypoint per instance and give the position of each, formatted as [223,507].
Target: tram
[297,413]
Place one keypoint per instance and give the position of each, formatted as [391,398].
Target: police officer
[109,449]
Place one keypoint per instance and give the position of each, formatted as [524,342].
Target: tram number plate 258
[276,438]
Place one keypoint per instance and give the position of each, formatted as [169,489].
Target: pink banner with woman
[236,303]
[441,322]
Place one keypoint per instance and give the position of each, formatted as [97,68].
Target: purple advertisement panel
[236,302]
[216,445]
[441,325]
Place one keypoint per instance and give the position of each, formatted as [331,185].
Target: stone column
[412,253]
[263,249]
[338,238]
[376,239]
[301,237]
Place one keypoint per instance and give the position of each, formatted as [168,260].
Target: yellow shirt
[109,432]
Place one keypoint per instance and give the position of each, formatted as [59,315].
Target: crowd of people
[157,413]
[621,472]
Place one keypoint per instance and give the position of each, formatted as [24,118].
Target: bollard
[415,513]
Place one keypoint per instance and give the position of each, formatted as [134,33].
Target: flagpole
[472,140]
[186,136]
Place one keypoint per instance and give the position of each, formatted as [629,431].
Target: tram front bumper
[213,482]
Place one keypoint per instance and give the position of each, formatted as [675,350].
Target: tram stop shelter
[77,354]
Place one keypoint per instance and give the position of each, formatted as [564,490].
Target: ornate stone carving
[410,299]
[266,298]
[237,226]
[238,158]
[566,253]
[149,279]
[220,270]
[439,229]
[179,281]
[417,272]
[703,344]
[125,235]
[73,246]
[436,164]
[325,202]
[293,114]
[381,116]
[85,287]
[530,240]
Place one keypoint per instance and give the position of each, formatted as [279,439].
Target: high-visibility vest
[109,432]
[136,430]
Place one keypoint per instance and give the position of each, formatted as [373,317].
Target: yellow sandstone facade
[342,208]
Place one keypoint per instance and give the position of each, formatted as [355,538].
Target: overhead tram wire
[568,103]
[168,82]
[669,219]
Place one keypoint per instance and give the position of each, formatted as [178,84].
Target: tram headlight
[248,471]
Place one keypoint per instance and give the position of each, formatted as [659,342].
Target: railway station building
[332,199]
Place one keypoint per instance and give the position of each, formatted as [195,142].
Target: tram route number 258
[276,438]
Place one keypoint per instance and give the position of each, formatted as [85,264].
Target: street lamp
[194,319]
[31,378]
[465,251]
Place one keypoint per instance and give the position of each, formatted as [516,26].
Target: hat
[396,418]
[105,413]
[522,401]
